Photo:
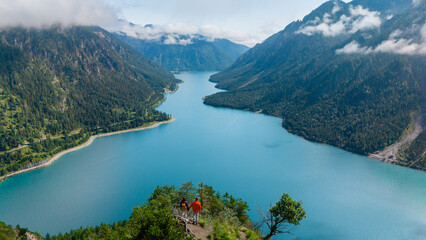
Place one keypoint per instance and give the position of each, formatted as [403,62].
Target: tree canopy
[282,214]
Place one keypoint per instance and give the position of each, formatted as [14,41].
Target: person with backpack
[196,208]
[184,207]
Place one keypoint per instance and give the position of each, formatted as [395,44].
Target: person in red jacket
[196,208]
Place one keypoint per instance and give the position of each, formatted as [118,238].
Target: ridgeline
[339,77]
[59,86]
[199,53]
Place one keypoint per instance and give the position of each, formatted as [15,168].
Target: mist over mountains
[181,47]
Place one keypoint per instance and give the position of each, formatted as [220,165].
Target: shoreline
[374,156]
[48,162]
[389,153]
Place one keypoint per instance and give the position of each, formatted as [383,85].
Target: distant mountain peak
[399,35]
[180,47]
[179,34]
[335,18]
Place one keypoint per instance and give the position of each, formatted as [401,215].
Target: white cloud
[392,45]
[44,13]
[395,34]
[353,47]
[401,46]
[179,33]
[170,40]
[258,20]
[336,8]
[328,30]
[364,19]
[360,19]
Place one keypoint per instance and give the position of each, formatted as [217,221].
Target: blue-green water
[249,155]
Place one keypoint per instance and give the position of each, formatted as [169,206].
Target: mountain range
[60,85]
[349,74]
[181,52]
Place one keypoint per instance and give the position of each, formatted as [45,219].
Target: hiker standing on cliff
[196,208]
[184,207]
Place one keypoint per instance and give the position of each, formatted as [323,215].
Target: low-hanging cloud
[359,19]
[45,13]
[395,44]
[179,33]
[364,19]
[336,8]
[353,47]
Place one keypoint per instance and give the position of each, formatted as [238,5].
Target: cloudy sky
[243,21]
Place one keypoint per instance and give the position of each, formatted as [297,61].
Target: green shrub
[202,222]
[225,231]
[252,235]
[6,232]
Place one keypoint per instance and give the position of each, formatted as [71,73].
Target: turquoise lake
[346,196]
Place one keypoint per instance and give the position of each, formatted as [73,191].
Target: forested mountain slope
[345,75]
[60,85]
[178,52]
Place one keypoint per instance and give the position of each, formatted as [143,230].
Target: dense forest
[201,54]
[361,101]
[60,85]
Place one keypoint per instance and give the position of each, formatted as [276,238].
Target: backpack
[183,207]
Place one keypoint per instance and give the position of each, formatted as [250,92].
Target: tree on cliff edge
[281,215]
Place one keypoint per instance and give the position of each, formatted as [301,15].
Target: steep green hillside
[329,80]
[414,154]
[222,216]
[59,85]
[199,55]
[17,233]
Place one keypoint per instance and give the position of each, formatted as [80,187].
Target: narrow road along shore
[48,162]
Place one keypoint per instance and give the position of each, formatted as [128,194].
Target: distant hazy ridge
[191,53]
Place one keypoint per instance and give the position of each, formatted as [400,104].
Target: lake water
[346,196]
